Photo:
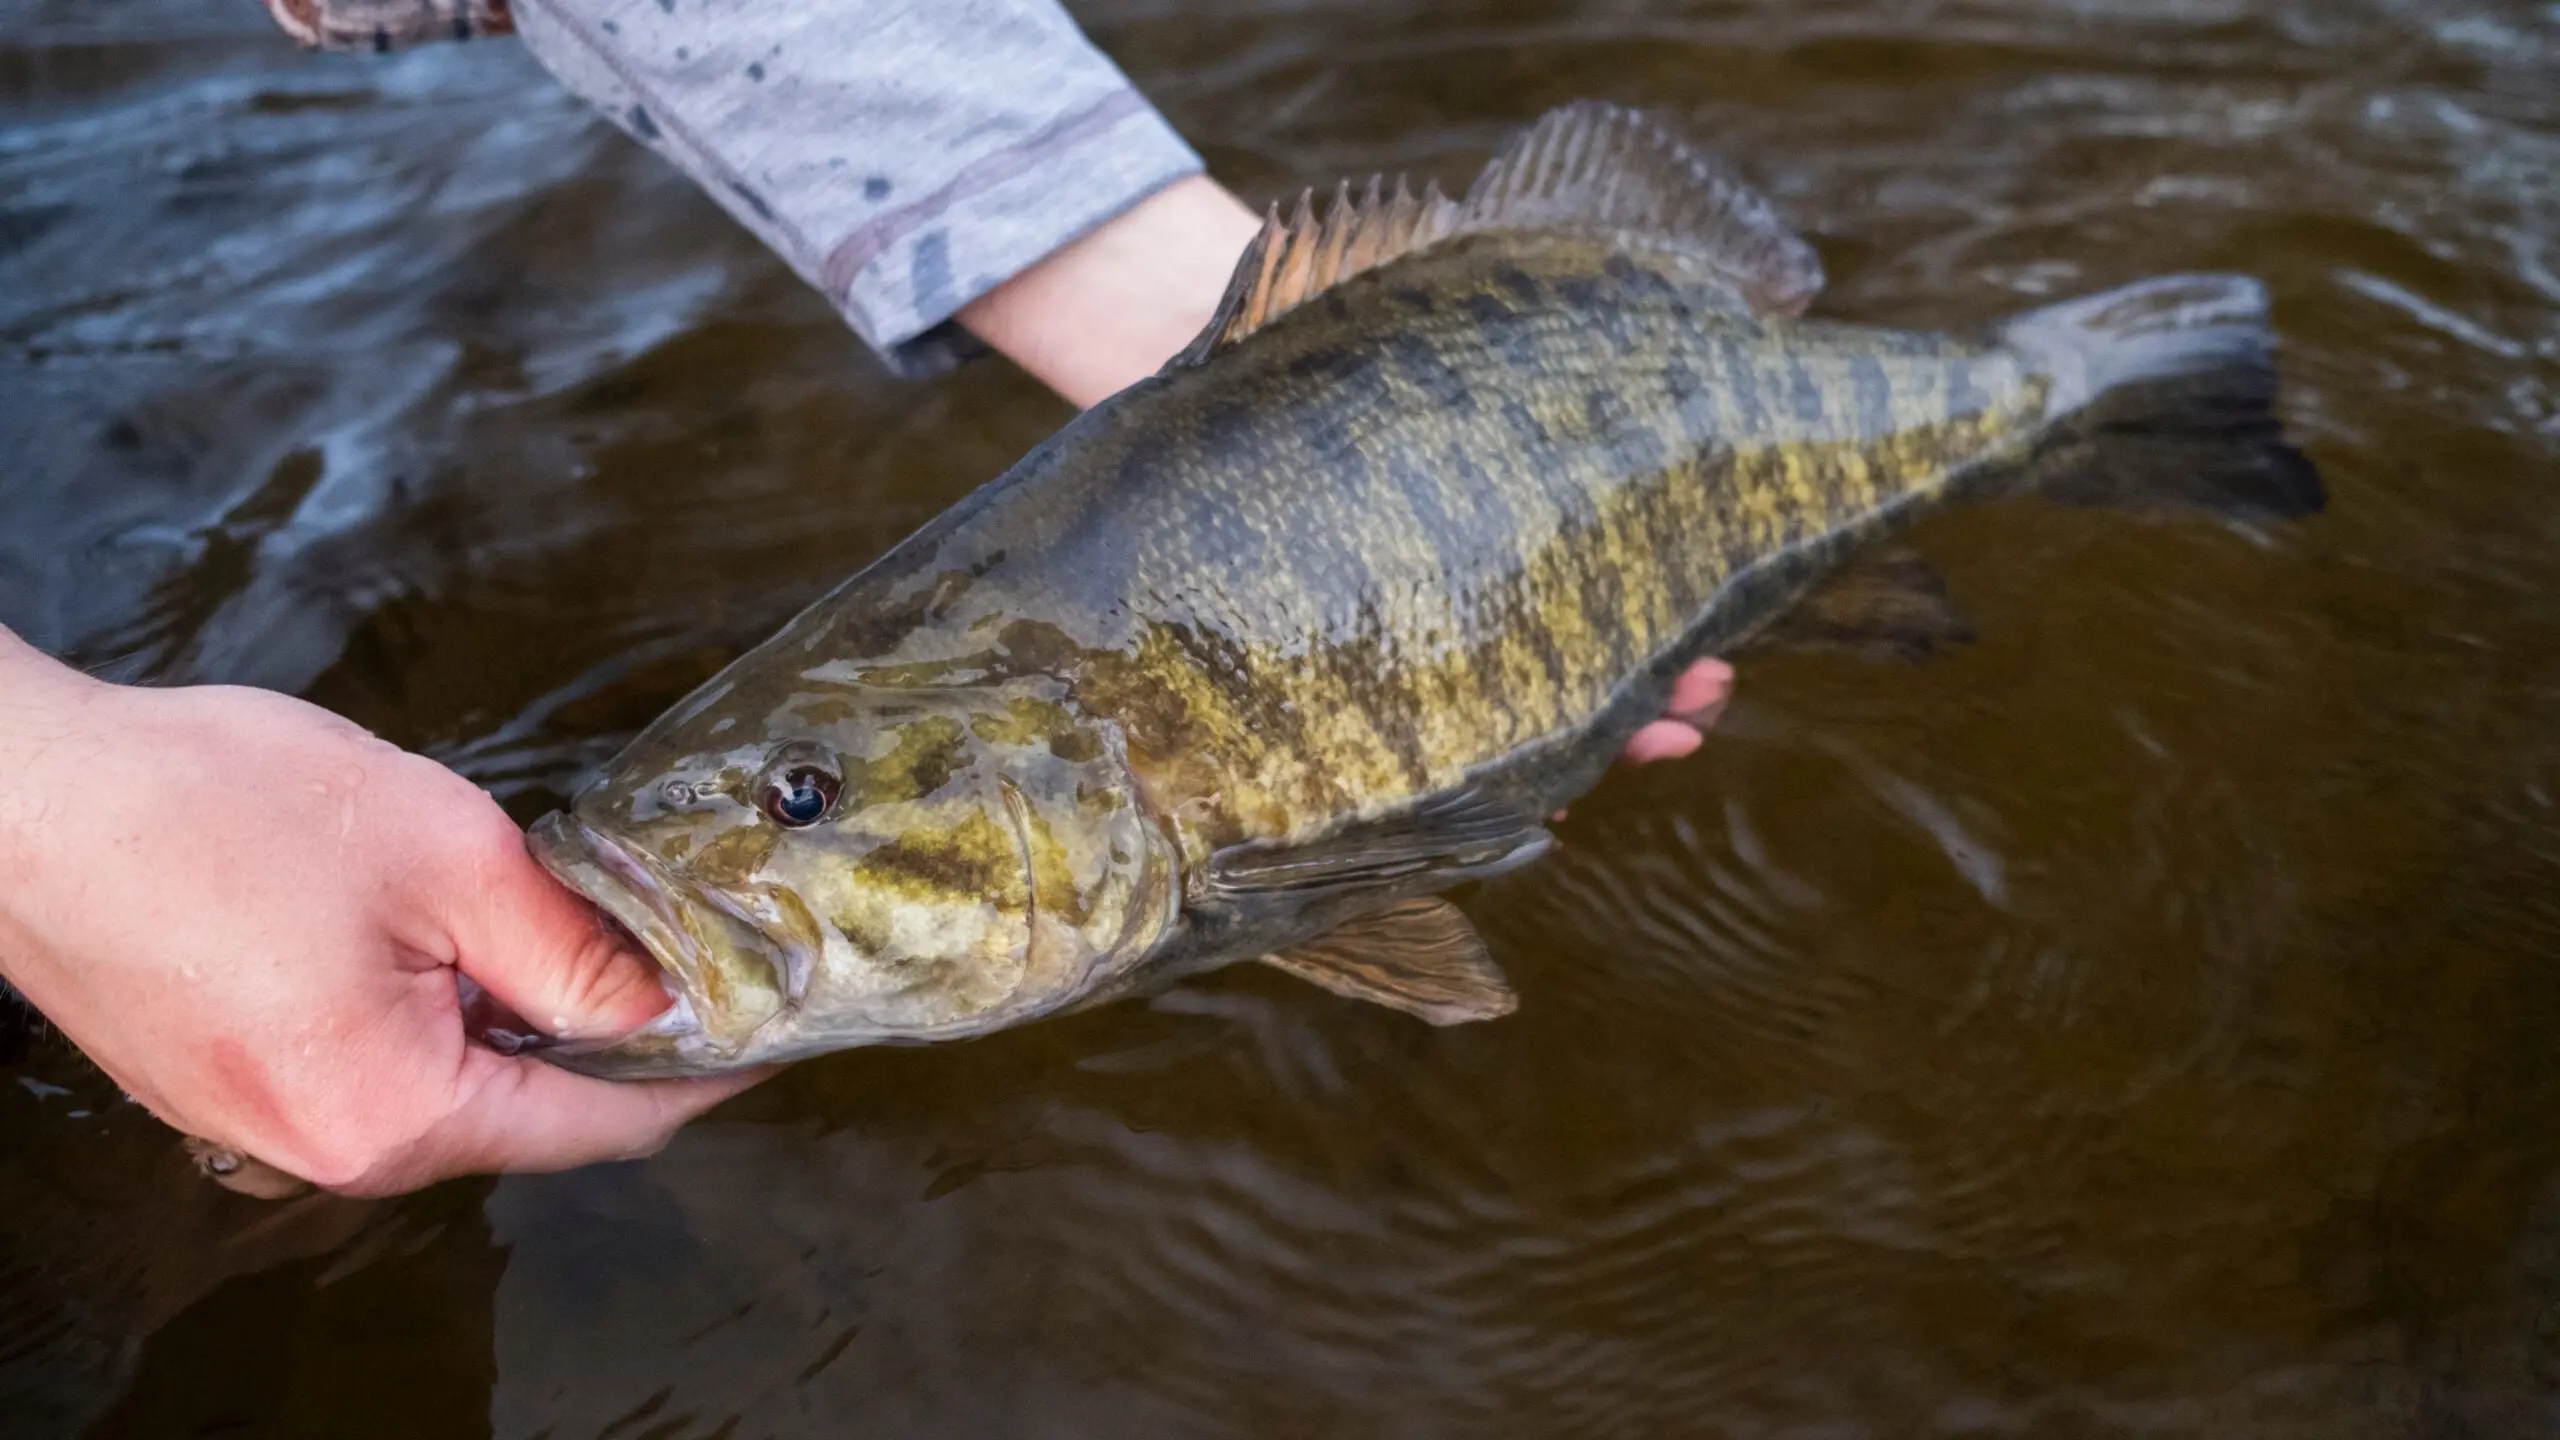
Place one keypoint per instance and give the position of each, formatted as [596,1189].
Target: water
[2138,1023]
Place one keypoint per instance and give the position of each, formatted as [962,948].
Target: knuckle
[339,1165]
[484,831]
[475,835]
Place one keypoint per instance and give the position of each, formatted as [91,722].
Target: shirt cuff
[905,156]
[901,275]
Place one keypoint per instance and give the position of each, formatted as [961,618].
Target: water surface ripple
[2136,1023]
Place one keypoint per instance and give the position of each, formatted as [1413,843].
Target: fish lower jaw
[676,1044]
[673,1045]
[636,903]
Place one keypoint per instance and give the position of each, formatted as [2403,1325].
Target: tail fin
[2165,391]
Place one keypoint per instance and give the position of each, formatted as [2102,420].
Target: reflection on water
[2137,1022]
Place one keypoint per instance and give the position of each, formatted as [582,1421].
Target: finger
[1701,690]
[546,953]
[1662,740]
[1702,719]
[528,1115]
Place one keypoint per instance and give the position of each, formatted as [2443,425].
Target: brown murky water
[2146,1021]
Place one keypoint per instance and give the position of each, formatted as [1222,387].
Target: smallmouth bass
[1255,659]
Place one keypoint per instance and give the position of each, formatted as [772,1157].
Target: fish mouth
[726,976]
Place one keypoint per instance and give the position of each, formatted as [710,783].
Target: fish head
[865,865]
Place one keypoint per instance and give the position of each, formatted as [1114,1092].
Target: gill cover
[983,860]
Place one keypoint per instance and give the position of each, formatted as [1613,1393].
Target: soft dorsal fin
[1418,956]
[1596,166]
[1587,166]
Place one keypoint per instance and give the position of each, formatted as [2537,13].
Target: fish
[1258,659]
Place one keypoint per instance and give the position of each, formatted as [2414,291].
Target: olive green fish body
[1471,506]
[1256,657]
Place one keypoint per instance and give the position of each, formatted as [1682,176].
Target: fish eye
[798,790]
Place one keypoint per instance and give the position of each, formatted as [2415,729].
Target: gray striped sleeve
[905,156]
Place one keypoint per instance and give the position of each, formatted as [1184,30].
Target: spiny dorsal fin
[1591,165]
[1587,166]
[1420,956]
[1296,259]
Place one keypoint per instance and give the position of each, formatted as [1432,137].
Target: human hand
[1697,698]
[251,914]
[1107,310]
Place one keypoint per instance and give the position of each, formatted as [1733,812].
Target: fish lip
[636,896]
[637,899]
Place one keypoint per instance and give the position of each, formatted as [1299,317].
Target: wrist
[28,677]
[43,705]
[1110,308]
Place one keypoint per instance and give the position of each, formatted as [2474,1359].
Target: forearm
[908,157]
[1112,307]
[928,166]
[44,706]
[58,746]
[26,671]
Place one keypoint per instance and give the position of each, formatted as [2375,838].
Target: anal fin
[1419,956]
[1885,603]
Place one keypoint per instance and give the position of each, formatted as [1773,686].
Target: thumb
[543,951]
[527,1115]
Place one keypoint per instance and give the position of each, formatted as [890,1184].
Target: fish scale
[1256,658]
[1503,602]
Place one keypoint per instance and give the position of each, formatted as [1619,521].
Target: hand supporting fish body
[1255,659]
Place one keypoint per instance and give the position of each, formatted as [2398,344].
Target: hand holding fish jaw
[251,913]
[244,909]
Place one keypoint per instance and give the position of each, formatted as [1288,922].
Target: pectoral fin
[1888,603]
[1418,956]
[1459,836]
